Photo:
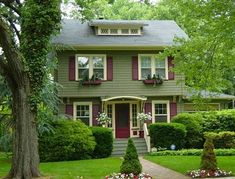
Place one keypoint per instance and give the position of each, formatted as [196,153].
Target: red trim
[171,75]
[71,69]
[110,68]
[173,109]
[95,113]
[69,109]
[96,82]
[135,68]
[148,109]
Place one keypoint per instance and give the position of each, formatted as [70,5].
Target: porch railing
[147,137]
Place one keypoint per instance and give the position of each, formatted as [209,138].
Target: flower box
[152,81]
[96,82]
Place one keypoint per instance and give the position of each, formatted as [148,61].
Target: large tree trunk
[25,159]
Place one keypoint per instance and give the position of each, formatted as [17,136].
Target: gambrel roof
[155,33]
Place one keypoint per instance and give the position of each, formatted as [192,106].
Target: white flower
[144,116]
[103,119]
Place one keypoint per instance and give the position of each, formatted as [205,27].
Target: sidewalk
[159,172]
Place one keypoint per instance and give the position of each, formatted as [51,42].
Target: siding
[122,83]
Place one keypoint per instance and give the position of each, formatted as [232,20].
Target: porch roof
[124,97]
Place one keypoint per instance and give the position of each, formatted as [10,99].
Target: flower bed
[208,173]
[128,176]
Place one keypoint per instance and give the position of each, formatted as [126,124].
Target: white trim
[167,102]
[90,64]
[122,97]
[82,103]
[119,31]
[152,65]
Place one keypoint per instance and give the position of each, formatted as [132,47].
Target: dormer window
[119,31]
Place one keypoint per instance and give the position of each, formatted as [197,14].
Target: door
[122,120]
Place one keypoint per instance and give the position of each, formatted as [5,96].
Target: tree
[208,55]
[25,32]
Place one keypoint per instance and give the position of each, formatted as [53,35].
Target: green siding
[122,83]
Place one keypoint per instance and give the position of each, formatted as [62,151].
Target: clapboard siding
[122,83]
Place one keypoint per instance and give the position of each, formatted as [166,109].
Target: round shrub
[71,140]
[192,122]
[104,142]
[166,134]
[131,163]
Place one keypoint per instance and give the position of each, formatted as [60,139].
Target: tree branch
[9,19]
[8,3]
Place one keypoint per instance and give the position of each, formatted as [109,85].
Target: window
[83,111]
[161,111]
[104,31]
[113,31]
[89,65]
[119,31]
[149,65]
[134,115]
[110,113]
[125,31]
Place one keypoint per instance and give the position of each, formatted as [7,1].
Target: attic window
[118,31]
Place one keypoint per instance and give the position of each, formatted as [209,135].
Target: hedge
[194,135]
[193,152]
[71,140]
[104,142]
[166,134]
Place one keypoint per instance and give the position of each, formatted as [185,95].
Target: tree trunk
[25,161]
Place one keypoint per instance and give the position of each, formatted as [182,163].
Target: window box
[96,82]
[152,81]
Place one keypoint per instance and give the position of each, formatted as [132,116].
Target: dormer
[118,27]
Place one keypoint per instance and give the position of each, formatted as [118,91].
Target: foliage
[144,116]
[71,140]
[6,142]
[104,142]
[207,173]
[164,135]
[131,163]
[208,158]
[128,176]
[103,119]
[193,152]
[193,126]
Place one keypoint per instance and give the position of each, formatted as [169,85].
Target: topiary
[131,163]
[208,159]
[104,142]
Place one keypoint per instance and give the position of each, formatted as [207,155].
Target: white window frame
[119,31]
[90,56]
[153,67]
[167,102]
[75,104]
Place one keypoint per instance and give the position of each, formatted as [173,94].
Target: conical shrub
[131,163]
[208,159]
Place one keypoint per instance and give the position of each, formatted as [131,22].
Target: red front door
[122,120]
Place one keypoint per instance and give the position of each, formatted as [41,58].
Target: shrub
[131,163]
[166,134]
[6,142]
[104,142]
[208,159]
[71,140]
[192,122]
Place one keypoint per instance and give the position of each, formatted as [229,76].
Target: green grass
[183,164]
[89,169]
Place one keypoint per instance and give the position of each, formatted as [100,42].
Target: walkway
[159,172]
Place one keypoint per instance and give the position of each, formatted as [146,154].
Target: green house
[111,66]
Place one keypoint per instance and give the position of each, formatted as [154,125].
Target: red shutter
[95,113]
[134,68]
[148,109]
[110,68]
[171,75]
[69,110]
[72,68]
[173,109]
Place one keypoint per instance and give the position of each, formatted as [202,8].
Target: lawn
[183,164]
[89,169]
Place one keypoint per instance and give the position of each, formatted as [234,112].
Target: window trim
[119,31]
[75,104]
[90,64]
[153,67]
[167,102]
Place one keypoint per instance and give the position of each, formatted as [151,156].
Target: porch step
[119,146]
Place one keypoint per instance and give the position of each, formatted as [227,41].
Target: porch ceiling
[124,97]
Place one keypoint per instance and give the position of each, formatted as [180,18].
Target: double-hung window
[83,111]
[161,111]
[91,65]
[150,65]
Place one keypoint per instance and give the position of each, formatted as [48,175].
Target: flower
[208,173]
[144,116]
[128,176]
[103,119]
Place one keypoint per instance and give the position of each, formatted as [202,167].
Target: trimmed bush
[71,140]
[131,163]
[208,159]
[166,134]
[104,142]
[192,122]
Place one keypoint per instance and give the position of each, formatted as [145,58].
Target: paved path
[159,172]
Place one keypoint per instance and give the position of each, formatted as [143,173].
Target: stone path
[159,172]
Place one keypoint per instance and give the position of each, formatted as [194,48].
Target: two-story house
[119,55]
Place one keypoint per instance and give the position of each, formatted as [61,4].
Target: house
[108,65]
